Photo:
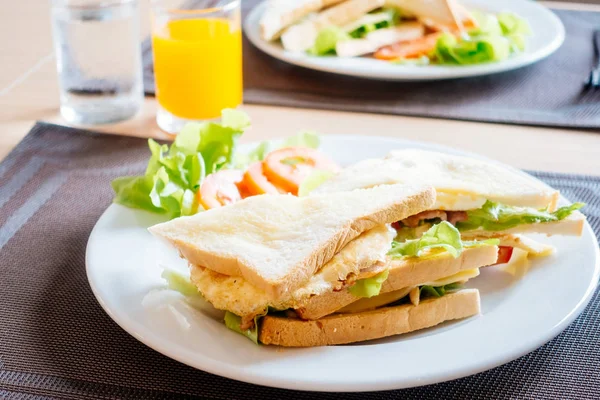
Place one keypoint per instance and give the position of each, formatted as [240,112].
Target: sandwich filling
[362,258]
[361,267]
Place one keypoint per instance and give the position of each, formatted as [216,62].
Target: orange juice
[198,67]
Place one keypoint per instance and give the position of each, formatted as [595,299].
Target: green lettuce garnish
[495,39]
[233,322]
[174,174]
[475,50]
[313,181]
[443,235]
[369,287]
[327,39]
[373,21]
[180,283]
[498,217]
[302,139]
[438,291]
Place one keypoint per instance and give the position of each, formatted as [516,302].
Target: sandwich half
[267,260]
[481,199]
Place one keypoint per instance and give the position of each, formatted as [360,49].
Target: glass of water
[98,57]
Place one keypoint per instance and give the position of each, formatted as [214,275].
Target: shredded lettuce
[233,322]
[443,235]
[369,287]
[327,39]
[174,173]
[313,181]
[498,217]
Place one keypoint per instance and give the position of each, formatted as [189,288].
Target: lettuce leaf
[233,322]
[180,283]
[498,217]
[174,174]
[443,235]
[511,24]
[369,287]
[327,40]
[495,39]
[437,291]
[313,181]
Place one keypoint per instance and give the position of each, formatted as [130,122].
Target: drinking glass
[197,60]
[98,57]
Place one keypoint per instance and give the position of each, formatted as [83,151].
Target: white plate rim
[247,375]
[411,73]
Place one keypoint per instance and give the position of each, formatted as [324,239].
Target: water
[98,60]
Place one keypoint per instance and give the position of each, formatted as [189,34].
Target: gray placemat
[56,342]
[548,93]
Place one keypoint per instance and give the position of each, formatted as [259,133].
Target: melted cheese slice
[459,277]
[530,246]
[461,183]
[383,299]
[237,295]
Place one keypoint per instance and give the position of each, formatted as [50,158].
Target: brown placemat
[548,93]
[57,343]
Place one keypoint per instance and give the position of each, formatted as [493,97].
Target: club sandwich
[327,269]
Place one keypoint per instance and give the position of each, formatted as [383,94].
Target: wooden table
[29,92]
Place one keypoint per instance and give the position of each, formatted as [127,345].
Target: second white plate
[521,310]
[548,35]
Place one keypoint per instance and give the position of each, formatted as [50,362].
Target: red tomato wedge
[409,49]
[288,167]
[504,254]
[221,188]
[256,182]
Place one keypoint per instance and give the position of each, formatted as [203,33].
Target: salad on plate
[413,32]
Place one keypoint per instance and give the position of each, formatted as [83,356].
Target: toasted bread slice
[404,272]
[235,294]
[461,183]
[302,36]
[368,325]
[277,242]
[279,14]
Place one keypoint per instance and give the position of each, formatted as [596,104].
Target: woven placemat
[548,93]
[56,341]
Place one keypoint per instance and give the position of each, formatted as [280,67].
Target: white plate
[520,312]
[548,35]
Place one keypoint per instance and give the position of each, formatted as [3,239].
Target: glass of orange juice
[197,60]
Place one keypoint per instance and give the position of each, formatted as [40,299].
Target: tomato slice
[288,167]
[256,182]
[410,48]
[504,254]
[221,188]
